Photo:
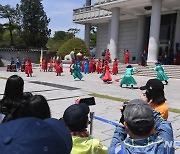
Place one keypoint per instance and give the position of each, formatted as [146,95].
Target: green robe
[76,73]
[160,73]
[128,80]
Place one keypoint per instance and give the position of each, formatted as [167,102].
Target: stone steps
[172,71]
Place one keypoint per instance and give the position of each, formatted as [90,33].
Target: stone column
[154,31]
[114,32]
[177,31]
[109,33]
[88,2]
[87,35]
[140,37]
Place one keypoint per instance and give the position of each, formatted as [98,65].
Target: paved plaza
[61,91]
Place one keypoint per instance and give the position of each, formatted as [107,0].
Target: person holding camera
[154,95]
[76,119]
[134,134]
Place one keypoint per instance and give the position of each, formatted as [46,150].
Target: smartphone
[88,101]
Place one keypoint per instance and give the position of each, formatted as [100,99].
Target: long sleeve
[118,137]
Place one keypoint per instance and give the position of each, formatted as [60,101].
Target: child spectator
[76,119]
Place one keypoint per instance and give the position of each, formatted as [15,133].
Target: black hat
[129,66]
[76,114]
[153,84]
[138,114]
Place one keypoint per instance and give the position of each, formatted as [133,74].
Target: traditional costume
[106,76]
[115,67]
[70,69]
[76,73]
[51,65]
[59,67]
[126,56]
[128,79]
[44,65]
[28,67]
[82,65]
[160,73]
[86,67]
[107,57]
[99,66]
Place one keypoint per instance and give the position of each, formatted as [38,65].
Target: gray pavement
[59,98]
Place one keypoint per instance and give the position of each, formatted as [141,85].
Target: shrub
[74,44]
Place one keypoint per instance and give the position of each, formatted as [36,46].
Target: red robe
[99,67]
[107,57]
[126,57]
[71,63]
[115,67]
[107,75]
[51,64]
[58,67]
[44,64]
[28,67]
[91,65]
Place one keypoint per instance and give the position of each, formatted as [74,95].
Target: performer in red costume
[51,65]
[126,56]
[107,76]
[28,67]
[91,63]
[71,63]
[99,66]
[107,57]
[115,67]
[44,65]
[58,67]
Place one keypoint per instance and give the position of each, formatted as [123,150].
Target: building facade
[136,25]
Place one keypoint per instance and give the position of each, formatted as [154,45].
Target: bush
[74,44]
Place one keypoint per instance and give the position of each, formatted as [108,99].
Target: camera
[88,101]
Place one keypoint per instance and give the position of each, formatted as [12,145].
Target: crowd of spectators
[28,128]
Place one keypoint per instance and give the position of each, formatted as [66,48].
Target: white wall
[102,38]
[127,38]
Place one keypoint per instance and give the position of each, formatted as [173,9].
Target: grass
[3,78]
[108,97]
[123,100]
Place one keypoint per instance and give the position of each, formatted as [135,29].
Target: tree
[58,39]
[9,13]
[35,30]
[74,44]
[93,36]
[74,31]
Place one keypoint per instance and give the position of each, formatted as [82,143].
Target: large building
[133,24]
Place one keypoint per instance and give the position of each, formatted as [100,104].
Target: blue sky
[59,11]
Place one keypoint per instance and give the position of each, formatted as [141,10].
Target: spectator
[76,119]
[37,107]
[138,120]
[155,96]
[13,94]
[17,64]
[35,136]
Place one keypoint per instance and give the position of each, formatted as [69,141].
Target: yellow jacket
[87,145]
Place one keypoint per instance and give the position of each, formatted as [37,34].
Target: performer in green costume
[160,72]
[76,73]
[128,79]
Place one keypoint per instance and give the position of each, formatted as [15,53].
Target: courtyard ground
[61,92]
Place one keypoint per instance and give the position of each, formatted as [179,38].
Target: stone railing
[99,2]
[90,12]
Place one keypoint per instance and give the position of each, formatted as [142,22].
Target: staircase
[172,71]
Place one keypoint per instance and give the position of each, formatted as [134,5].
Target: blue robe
[86,67]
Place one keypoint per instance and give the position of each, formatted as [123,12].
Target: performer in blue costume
[76,73]
[86,67]
[160,72]
[128,79]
